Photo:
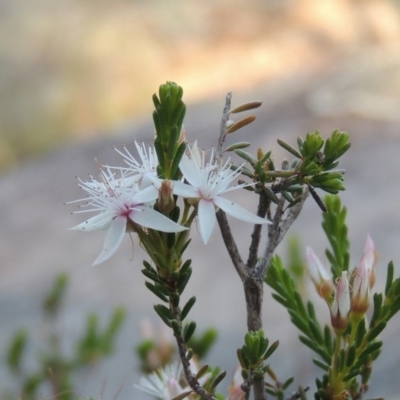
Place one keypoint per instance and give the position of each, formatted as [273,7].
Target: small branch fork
[252,273]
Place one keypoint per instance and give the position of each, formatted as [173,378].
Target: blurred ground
[315,65]
[68,68]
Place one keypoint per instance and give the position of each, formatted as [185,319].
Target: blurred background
[70,70]
[76,78]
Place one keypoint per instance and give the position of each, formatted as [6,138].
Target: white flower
[144,171]
[163,383]
[341,304]
[321,277]
[370,257]
[118,202]
[207,182]
[361,288]
[364,278]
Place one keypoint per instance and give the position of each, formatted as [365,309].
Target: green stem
[335,381]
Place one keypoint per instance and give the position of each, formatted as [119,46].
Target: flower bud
[361,288]
[341,304]
[321,277]
[235,390]
[166,202]
[370,258]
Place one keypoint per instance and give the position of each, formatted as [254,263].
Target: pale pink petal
[145,195]
[114,237]
[369,256]
[319,274]
[190,170]
[152,219]
[238,212]
[184,190]
[206,213]
[98,222]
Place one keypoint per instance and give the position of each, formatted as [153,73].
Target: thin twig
[278,230]
[263,206]
[246,387]
[222,130]
[230,244]
[182,350]
[226,232]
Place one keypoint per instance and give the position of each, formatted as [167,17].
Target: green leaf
[352,375]
[270,194]
[177,160]
[188,331]
[164,313]
[315,330]
[351,355]
[321,364]
[16,350]
[328,339]
[389,277]
[271,350]
[247,157]
[289,148]
[378,299]
[287,383]
[217,380]
[334,225]
[375,331]
[335,147]
[187,307]
[150,274]
[183,280]
[242,360]
[182,395]
[201,346]
[361,331]
[237,146]
[156,290]
[371,348]
[312,143]
[316,348]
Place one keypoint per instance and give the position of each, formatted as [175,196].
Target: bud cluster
[345,295]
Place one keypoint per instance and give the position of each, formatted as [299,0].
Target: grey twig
[278,229]
[252,274]
[230,244]
[222,130]
[263,206]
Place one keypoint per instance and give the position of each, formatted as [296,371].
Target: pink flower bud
[321,277]
[341,304]
[370,258]
[166,202]
[235,390]
[361,288]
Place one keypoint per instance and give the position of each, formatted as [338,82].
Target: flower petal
[238,212]
[190,170]
[114,237]
[145,195]
[152,219]
[98,222]
[206,213]
[184,190]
